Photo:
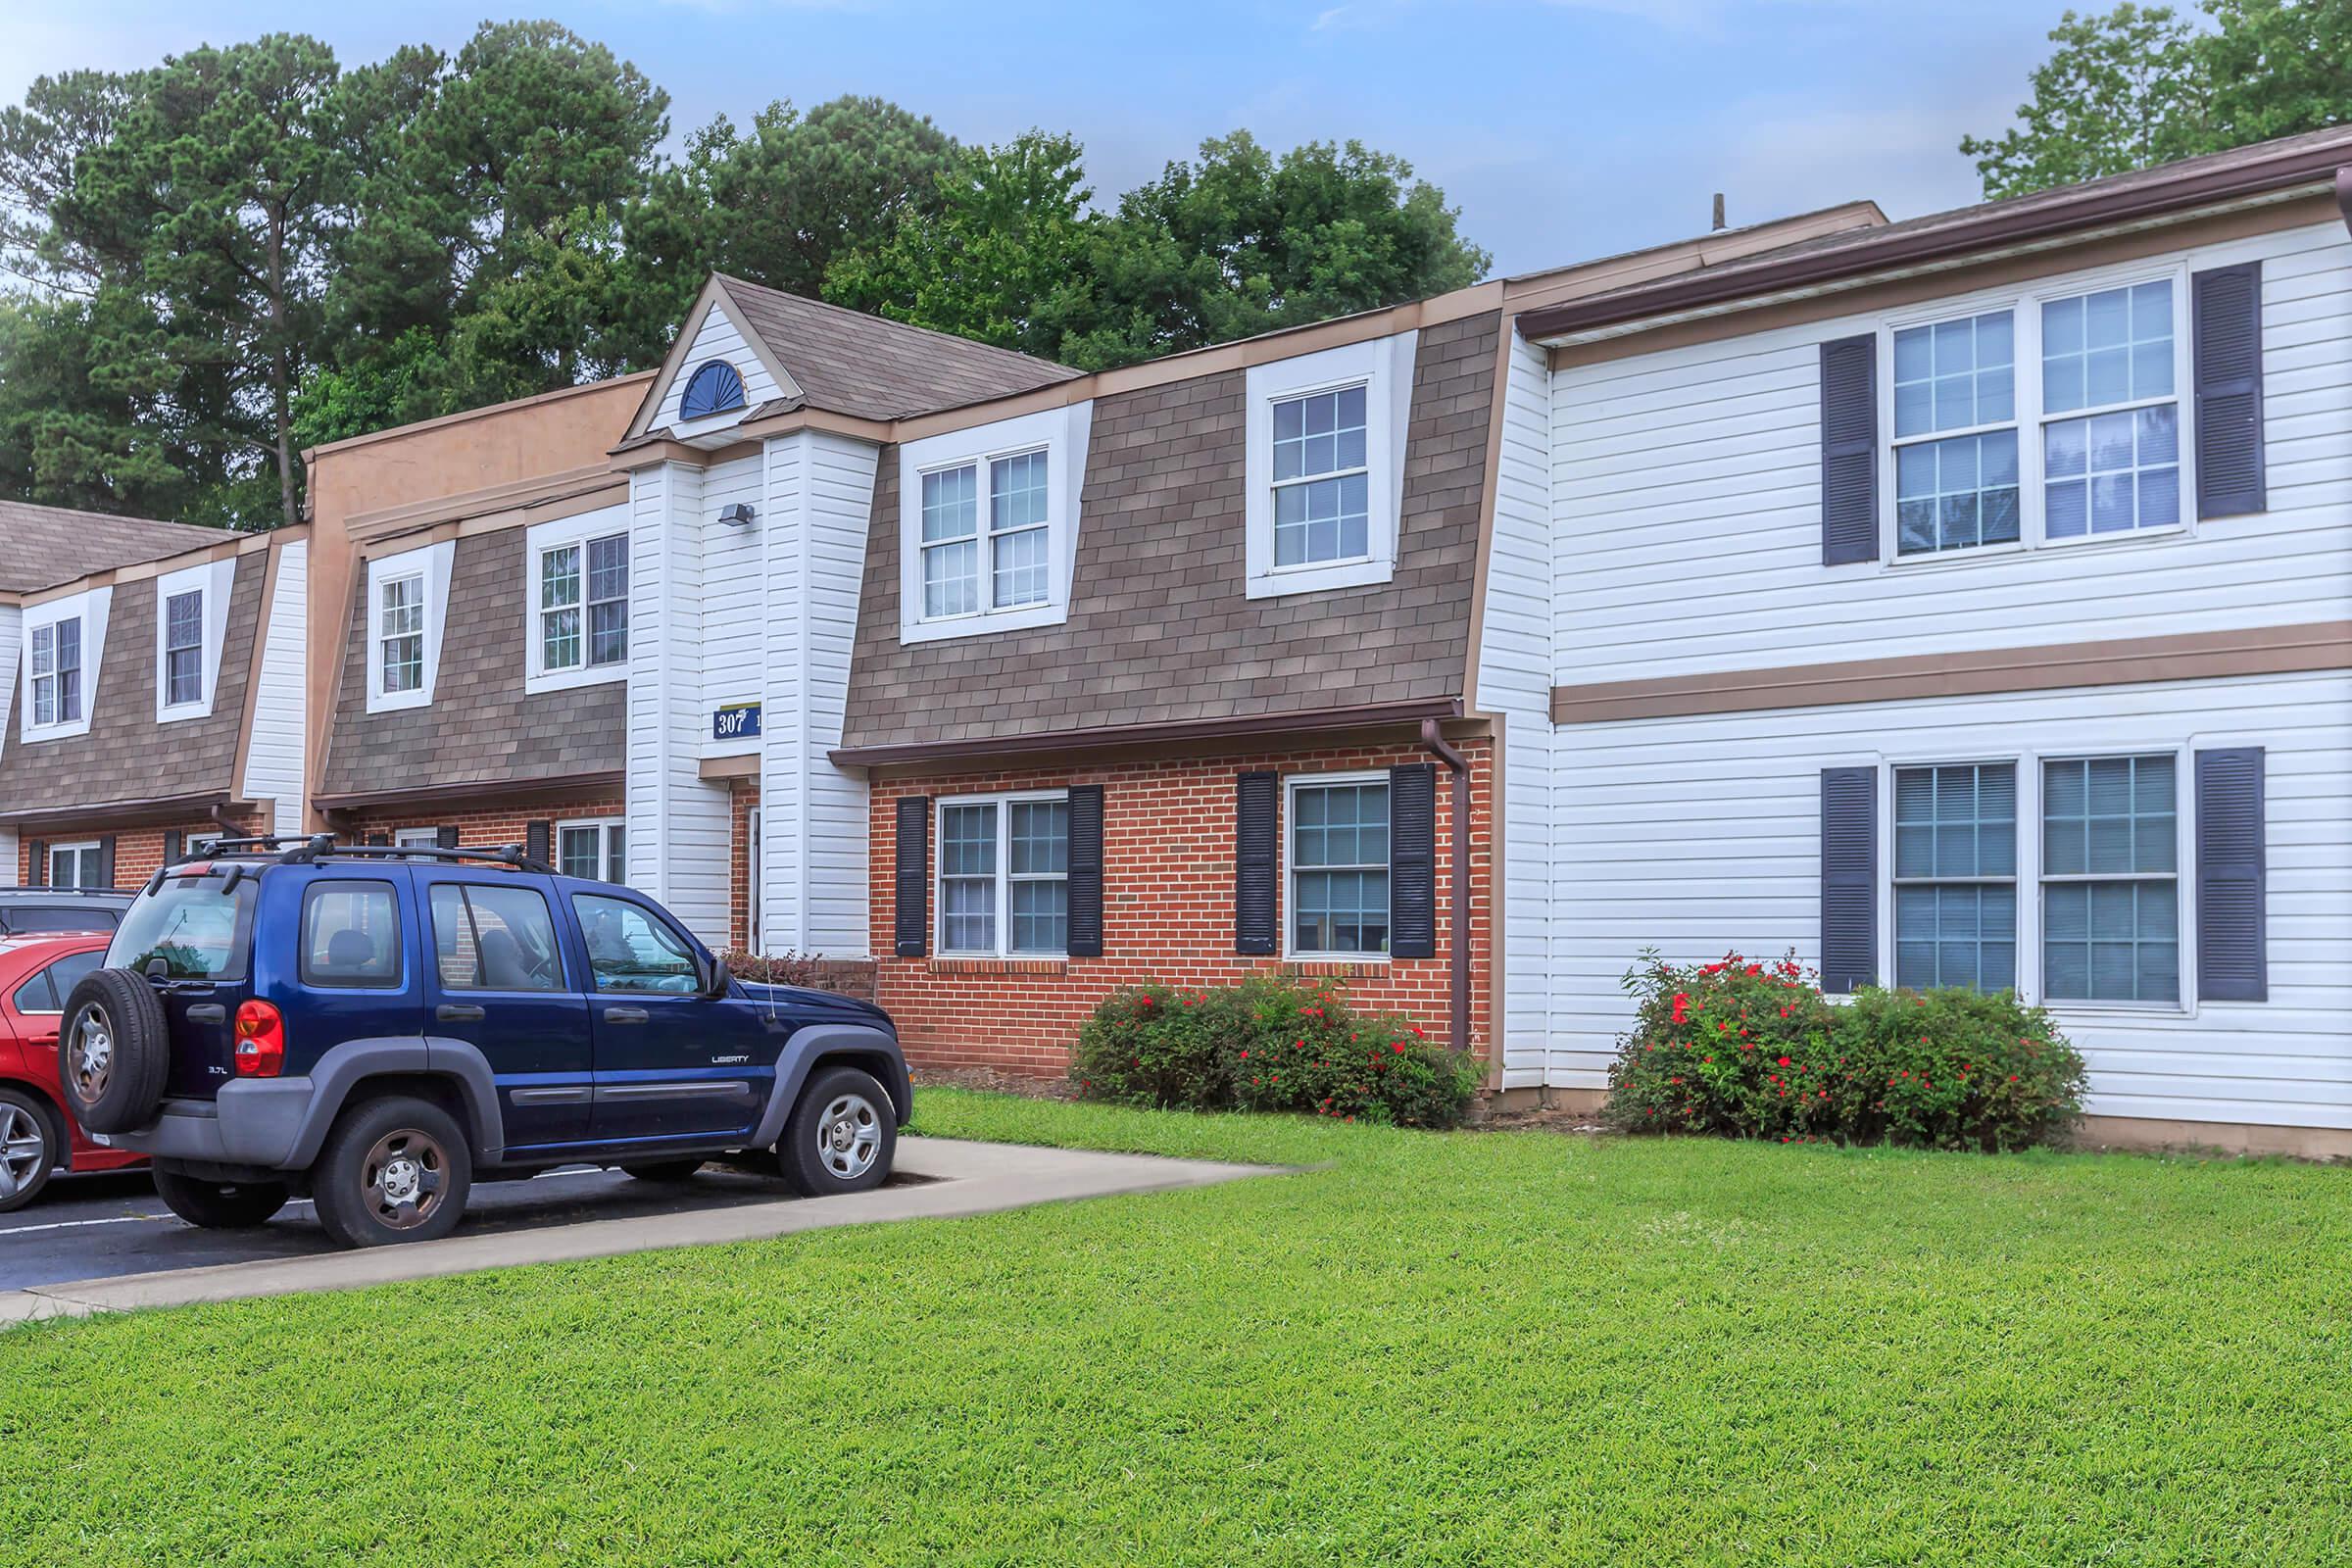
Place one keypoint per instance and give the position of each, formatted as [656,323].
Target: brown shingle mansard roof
[866,365]
[2263,169]
[41,547]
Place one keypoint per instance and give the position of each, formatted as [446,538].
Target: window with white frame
[184,649]
[596,849]
[400,634]
[1955,876]
[1324,466]
[1321,483]
[585,604]
[985,546]
[2110,880]
[416,838]
[57,672]
[1004,876]
[77,865]
[2052,419]
[1338,866]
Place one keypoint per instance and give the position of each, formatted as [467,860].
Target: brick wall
[478,827]
[745,798]
[1167,910]
[138,851]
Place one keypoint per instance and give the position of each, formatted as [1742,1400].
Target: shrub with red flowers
[1748,1048]
[1274,1041]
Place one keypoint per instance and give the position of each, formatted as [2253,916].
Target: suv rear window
[350,935]
[197,929]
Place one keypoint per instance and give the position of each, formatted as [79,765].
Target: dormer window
[408,609]
[184,649]
[713,389]
[577,603]
[1325,462]
[402,639]
[989,524]
[57,674]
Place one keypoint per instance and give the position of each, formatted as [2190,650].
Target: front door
[499,982]
[669,1062]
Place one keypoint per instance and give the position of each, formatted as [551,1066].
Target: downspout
[1457,916]
[2343,194]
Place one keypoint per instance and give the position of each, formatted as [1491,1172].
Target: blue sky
[1562,129]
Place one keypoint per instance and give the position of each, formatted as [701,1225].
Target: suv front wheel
[841,1137]
[395,1170]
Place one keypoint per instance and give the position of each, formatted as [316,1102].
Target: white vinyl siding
[1688,509]
[273,755]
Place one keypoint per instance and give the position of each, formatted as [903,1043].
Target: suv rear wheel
[395,1170]
[219,1205]
[30,1149]
[841,1137]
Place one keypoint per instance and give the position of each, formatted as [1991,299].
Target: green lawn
[1511,1349]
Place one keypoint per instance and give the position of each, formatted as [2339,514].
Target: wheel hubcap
[23,1149]
[849,1137]
[93,1054]
[403,1176]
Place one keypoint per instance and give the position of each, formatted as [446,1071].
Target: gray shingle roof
[851,363]
[43,546]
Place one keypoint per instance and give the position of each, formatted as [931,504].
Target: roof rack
[32,887]
[281,849]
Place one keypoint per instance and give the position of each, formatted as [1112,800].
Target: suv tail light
[261,1040]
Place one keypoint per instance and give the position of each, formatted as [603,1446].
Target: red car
[36,1137]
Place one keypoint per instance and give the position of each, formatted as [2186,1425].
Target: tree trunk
[281,373]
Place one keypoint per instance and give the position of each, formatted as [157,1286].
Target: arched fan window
[713,388]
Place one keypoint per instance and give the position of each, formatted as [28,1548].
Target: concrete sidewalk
[958,1178]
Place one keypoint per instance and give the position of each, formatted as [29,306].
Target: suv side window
[494,939]
[47,991]
[350,935]
[628,950]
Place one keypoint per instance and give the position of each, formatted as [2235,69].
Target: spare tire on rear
[114,1051]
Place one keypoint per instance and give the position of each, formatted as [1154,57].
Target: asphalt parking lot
[102,1227]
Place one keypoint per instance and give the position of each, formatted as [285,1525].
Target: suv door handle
[458,1012]
[625,1015]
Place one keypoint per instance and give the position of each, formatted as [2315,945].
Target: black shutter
[379,838]
[2227,306]
[911,917]
[1849,878]
[539,841]
[1849,449]
[445,836]
[1414,860]
[1086,871]
[175,846]
[2233,877]
[39,870]
[106,862]
[1256,818]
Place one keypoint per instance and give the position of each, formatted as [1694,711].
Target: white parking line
[70,1224]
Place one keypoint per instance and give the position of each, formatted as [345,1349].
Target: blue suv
[377,1027]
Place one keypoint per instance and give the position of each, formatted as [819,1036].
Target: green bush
[1271,1043]
[1747,1050]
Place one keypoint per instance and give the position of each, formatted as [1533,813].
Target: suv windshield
[191,924]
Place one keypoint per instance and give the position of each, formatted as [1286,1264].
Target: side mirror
[717,982]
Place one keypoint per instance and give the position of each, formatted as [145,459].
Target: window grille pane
[967,909]
[1954,374]
[1017,492]
[2113,472]
[1318,434]
[1020,567]
[609,566]
[1340,856]
[560,639]
[1038,842]
[1341,912]
[950,503]
[608,632]
[579,852]
[967,841]
[2114,935]
[2114,346]
[1041,917]
[1952,821]
[951,579]
[1956,493]
[616,852]
[560,576]
[1322,520]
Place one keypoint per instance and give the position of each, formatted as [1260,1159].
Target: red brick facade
[138,851]
[744,800]
[478,826]
[1167,908]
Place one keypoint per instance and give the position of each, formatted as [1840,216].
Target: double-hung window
[2112,464]
[1338,866]
[985,548]
[401,633]
[2110,880]
[1322,484]
[2052,418]
[184,649]
[57,672]
[1004,876]
[597,850]
[1955,876]
[585,604]
[1956,434]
